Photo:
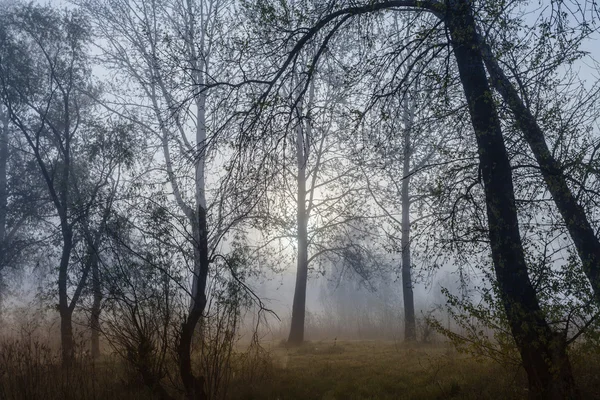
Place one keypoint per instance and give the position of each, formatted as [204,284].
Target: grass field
[379,370]
[327,370]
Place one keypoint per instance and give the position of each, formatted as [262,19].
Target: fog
[230,199]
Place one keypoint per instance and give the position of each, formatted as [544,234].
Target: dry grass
[318,370]
[33,371]
[379,370]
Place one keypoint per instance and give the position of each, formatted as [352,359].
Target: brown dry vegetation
[317,370]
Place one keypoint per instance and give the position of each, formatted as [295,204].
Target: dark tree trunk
[3,200]
[3,180]
[543,353]
[65,311]
[299,305]
[95,319]
[194,385]
[66,338]
[580,229]
[410,331]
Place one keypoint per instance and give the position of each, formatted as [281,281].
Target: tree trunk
[194,386]
[580,229]
[299,305]
[95,320]
[66,326]
[410,332]
[66,337]
[3,181]
[543,353]
[200,195]
[3,200]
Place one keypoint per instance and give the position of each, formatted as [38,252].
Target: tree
[45,75]
[327,216]
[578,224]
[312,205]
[108,154]
[170,52]
[413,152]
[405,135]
[54,126]
[22,201]
[4,154]
[527,321]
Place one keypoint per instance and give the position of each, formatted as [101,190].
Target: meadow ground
[327,370]
[379,370]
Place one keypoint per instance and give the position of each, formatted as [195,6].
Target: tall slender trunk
[299,305]
[3,178]
[3,199]
[543,352]
[95,318]
[410,332]
[199,193]
[580,229]
[303,137]
[66,326]
[194,385]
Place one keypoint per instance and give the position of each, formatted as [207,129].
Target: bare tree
[170,53]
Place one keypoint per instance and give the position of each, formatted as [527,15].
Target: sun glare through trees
[299,199]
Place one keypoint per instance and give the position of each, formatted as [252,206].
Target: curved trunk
[543,353]
[194,386]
